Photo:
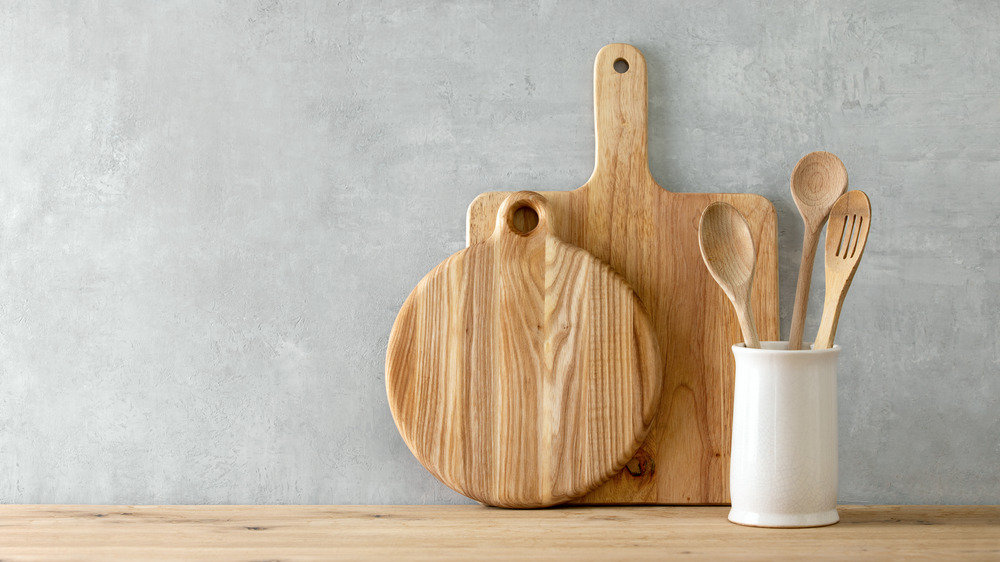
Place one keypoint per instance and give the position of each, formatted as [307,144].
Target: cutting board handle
[524,213]
[620,117]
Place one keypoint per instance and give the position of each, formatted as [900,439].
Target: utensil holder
[783,470]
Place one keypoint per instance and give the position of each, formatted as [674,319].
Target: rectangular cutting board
[650,235]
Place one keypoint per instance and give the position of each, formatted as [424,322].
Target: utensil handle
[748,326]
[828,324]
[809,242]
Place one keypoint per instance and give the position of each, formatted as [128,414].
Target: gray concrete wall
[211,212]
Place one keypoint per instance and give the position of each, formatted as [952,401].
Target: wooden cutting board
[650,235]
[522,371]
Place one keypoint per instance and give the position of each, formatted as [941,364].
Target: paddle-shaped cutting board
[522,371]
[650,235]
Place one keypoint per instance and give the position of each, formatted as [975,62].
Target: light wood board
[522,371]
[463,532]
[650,235]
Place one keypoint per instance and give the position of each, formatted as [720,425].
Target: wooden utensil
[846,237]
[818,179]
[650,235]
[522,371]
[728,250]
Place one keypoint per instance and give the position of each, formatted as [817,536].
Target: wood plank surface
[522,371]
[650,236]
[474,532]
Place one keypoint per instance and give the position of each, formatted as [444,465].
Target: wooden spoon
[846,237]
[817,181]
[729,253]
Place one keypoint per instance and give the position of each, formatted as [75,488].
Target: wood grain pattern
[522,371]
[818,179]
[727,247]
[471,532]
[650,235]
[846,238]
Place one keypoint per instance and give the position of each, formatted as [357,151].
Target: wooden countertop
[62,532]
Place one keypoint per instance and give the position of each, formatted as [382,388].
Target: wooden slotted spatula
[523,371]
[846,236]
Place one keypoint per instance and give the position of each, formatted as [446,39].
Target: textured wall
[212,211]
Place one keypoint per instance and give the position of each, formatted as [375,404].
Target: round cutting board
[523,371]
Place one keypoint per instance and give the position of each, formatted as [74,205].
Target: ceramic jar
[783,469]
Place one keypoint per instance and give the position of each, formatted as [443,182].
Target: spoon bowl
[817,181]
[727,247]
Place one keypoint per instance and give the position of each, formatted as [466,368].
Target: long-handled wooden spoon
[846,237]
[729,253]
[817,181]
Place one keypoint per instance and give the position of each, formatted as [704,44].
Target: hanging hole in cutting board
[523,219]
[621,66]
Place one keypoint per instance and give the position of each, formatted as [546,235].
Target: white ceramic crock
[783,470]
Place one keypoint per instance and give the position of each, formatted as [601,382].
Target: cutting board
[522,371]
[650,235]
